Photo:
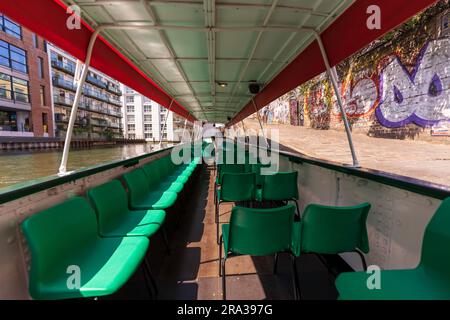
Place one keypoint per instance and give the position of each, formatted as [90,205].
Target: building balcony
[114,90]
[86,106]
[62,83]
[96,82]
[115,102]
[65,67]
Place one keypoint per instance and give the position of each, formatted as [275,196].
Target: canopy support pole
[333,78]
[165,122]
[73,112]
[184,128]
[260,123]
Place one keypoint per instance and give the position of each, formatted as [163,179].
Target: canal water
[20,166]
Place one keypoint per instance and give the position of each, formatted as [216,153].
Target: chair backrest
[153,171]
[237,187]
[261,231]
[331,230]
[55,234]
[435,252]
[256,168]
[109,201]
[137,184]
[280,186]
[229,168]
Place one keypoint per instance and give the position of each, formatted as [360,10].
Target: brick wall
[35,82]
[398,87]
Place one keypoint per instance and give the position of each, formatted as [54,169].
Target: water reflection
[20,166]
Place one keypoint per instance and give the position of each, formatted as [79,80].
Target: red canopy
[345,36]
[48,19]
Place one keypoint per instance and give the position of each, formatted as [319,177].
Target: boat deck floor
[191,270]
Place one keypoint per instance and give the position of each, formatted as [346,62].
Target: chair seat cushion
[135,223]
[105,265]
[176,187]
[155,200]
[412,284]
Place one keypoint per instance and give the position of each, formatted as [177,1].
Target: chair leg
[217,223]
[224,280]
[220,255]
[165,239]
[275,264]
[298,208]
[147,280]
[150,276]
[297,293]
[363,259]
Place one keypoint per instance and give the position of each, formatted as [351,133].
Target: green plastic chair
[259,232]
[114,217]
[141,197]
[156,180]
[430,280]
[333,230]
[64,237]
[281,186]
[234,187]
[226,168]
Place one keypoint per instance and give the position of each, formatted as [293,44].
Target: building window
[45,122]
[147,118]
[129,99]
[10,27]
[130,109]
[131,136]
[35,41]
[148,135]
[13,88]
[42,95]
[130,118]
[131,127]
[41,67]
[147,108]
[13,57]
[147,127]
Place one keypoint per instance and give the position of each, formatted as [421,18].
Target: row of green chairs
[105,245]
[74,256]
[241,187]
[322,230]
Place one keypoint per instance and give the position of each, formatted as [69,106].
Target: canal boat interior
[213,218]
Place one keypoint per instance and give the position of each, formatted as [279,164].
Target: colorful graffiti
[421,96]
[398,96]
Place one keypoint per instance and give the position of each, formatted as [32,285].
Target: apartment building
[25,99]
[99,111]
[144,119]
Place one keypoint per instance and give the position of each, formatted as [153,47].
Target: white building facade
[144,119]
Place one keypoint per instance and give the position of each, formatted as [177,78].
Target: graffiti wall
[397,89]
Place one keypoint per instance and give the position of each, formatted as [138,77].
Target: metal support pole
[73,113]
[165,122]
[333,78]
[184,129]
[260,124]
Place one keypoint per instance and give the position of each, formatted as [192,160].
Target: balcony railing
[96,82]
[67,67]
[65,84]
[87,106]
[113,89]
